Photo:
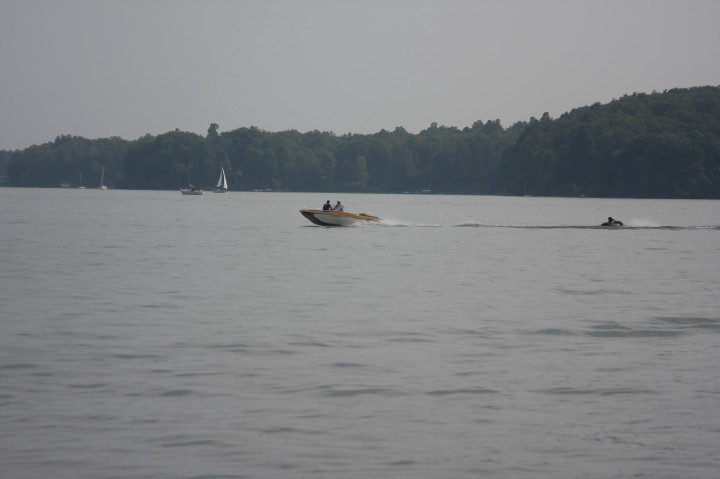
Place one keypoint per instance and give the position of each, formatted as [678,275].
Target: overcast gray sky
[100,68]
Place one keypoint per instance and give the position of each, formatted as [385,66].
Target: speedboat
[336,218]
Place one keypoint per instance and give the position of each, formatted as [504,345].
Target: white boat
[336,218]
[187,188]
[102,180]
[222,182]
[191,190]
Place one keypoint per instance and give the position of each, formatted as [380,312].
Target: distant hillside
[663,145]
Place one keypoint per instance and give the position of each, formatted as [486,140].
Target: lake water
[144,334]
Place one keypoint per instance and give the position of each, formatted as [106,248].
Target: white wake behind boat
[336,218]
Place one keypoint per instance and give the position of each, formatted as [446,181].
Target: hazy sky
[100,68]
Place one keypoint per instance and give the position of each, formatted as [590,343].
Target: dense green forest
[663,145]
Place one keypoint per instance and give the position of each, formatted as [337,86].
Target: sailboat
[222,182]
[187,188]
[102,185]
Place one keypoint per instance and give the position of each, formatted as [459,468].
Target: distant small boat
[187,188]
[102,185]
[612,222]
[336,218]
[222,185]
[191,190]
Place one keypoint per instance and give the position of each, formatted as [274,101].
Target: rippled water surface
[151,335]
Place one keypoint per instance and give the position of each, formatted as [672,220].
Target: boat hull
[337,218]
[191,192]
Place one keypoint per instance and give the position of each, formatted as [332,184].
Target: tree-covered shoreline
[660,145]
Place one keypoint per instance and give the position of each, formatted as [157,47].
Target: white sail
[222,185]
[102,180]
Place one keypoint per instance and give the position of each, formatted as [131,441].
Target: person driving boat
[612,221]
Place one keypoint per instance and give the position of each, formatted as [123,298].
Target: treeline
[641,145]
[439,158]
[660,145]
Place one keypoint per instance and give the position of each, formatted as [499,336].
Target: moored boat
[187,188]
[336,218]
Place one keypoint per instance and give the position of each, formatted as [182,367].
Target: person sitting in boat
[338,207]
[327,206]
[612,221]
